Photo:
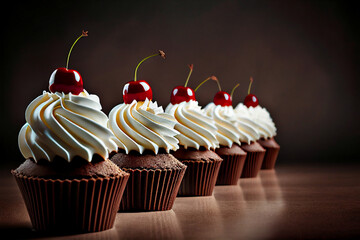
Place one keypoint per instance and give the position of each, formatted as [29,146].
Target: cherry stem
[251,81]
[232,91]
[218,83]
[160,53]
[191,66]
[83,34]
[212,78]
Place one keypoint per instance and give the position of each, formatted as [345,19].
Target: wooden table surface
[293,202]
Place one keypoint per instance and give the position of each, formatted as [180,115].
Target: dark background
[303,56]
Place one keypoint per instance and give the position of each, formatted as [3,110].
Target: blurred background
[303,56]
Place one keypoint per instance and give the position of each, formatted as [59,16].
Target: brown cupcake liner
[270,158]
[252,164]
[200,177]
[151,190]
[78,205]
[230,169]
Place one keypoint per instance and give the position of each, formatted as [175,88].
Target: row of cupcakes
[83,166]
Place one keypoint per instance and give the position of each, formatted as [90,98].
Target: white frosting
[247,126]
[264,120]
[258,118]
[195,127]
[65,126]
[143,125]
[224,117]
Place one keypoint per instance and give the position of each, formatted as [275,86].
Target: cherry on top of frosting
[139,90]
[183,93]
[251,100]
[223,98]
[67,80]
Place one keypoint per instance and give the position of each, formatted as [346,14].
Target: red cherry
[139,90]
[182,94]
[136,90]
[251,100]
[222,98]
[66,81]
[185,94]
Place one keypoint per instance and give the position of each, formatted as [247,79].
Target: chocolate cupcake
[267,132]
[228,135]
[67,182]
[260,119]
[155,180]
[249,135]
[197,138]
[202,170]
[145,136]
[254,159]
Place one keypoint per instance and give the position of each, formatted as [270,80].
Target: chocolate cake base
[154,180]
[76,169]
[254,158]
[272,152]
[80,197]
[232,165]
[202,171]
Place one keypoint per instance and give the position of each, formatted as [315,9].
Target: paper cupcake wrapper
[200,177]
[252,164]
[230,169]
[270,158]
[85,205]
[151,190]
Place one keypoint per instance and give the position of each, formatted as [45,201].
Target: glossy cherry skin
[182,94]
[136,90]
[222,98]
[66,81]
[251,100]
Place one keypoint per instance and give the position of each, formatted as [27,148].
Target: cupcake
[265,127]
[249,137]
[228,135]
[144,136]
[67,181]
[197,140]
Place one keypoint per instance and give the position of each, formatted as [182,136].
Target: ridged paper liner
[151,190]
[85,205]
[200,177]
[270,158]
[252,164]
[230,169]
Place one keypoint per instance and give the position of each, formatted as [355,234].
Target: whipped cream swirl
[65,125]
[224,117]
[258,118]
[247,126]
[262,117]
[195,127]
[143,125]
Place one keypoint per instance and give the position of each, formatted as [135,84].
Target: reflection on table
[291,202]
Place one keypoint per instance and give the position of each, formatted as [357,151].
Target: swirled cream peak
[141,126]
[263,118]
[65,125]
[247,126]
[224,117]
[195,127]
[258,118]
